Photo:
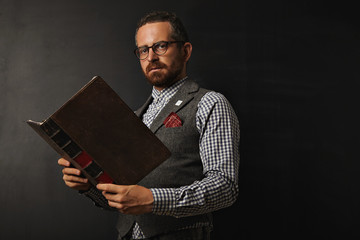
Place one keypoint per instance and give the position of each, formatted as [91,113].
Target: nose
[152,56]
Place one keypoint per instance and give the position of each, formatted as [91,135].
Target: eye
[161,46]
[143,50]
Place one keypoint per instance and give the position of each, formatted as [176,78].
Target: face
[162,71]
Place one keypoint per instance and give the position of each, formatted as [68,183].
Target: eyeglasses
[158,48]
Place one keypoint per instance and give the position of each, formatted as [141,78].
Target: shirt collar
[169,91]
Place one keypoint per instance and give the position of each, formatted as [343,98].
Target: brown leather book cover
[100,135]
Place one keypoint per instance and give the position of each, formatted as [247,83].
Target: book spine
[80,158]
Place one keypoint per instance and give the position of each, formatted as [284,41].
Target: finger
[110,188]
[120,207]
[71,171]
[74,179]
[75,184]
[123,208]
[63,162]
[118,198]
[117,205]
[78,186]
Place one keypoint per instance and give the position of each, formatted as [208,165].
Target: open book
[101,136]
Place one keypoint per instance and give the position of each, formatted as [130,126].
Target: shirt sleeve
[219,151]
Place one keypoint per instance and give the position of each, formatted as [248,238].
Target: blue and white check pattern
[219,131]
[160,99]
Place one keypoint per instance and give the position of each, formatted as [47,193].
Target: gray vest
[181,169]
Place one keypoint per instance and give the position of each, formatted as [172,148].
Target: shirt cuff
[164,201]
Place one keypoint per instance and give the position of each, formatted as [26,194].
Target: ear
[187,51]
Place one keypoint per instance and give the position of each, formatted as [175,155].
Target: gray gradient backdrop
[290,70]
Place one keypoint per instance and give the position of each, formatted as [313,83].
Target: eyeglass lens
[159,48]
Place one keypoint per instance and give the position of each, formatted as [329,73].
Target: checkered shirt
[219,131]
[160,99]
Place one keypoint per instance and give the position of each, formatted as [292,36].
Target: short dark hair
[178,30]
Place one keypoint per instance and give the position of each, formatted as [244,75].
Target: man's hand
[72,176]
[133,199]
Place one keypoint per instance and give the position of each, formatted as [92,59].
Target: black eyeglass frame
[137,54]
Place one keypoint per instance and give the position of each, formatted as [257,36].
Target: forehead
[153,32]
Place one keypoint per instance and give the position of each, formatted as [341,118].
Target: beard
[166,76]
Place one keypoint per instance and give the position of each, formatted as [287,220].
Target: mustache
[155,65]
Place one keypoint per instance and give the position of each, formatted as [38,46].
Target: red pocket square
[173,120]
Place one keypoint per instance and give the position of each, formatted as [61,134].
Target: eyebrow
[153,43]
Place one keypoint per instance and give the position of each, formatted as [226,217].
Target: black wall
[291,72]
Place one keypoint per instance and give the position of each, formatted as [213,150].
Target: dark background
[290,70]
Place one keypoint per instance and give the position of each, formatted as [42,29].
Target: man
[175,200]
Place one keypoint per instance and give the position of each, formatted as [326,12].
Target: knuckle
[113,204]
[120,199]
[69,178]
[66,170]
[103,189]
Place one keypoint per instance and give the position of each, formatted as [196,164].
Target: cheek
[168,62]
[143,65]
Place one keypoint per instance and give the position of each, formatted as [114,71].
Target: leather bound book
[101,136]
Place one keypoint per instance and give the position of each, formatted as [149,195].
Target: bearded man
[176,199]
